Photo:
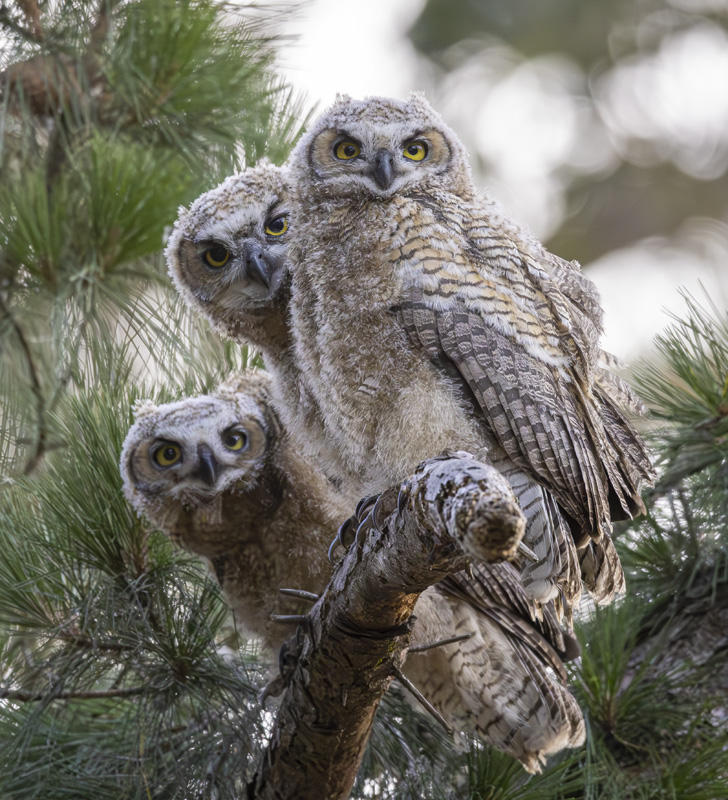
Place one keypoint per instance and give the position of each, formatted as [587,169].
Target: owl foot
[371,511]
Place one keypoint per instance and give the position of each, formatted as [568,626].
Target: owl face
[191,451]
[379,148]
[227,253]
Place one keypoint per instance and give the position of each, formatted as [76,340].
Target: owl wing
[496,590]
[498,325]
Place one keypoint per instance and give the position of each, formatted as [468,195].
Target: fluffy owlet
[425,320]
[219,475]
[227,256]
[506,681]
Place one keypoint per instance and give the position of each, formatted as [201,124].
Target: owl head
[185,455]
[227,253]
[378,148]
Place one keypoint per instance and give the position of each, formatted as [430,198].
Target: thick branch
[453,508]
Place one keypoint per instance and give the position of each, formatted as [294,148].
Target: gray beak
[383,171]
[256,267]
[208,468]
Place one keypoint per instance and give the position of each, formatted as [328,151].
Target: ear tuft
[420,101]
[143,408]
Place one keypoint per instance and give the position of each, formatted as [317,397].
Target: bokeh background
[600,126]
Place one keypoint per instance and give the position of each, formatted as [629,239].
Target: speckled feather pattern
[267,524]
[231,213]
[269,518]
[424,319]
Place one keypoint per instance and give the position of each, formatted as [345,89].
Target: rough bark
[355,637]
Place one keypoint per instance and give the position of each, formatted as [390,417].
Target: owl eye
[166,454]
[277,226]
[415,150]
[347,149]
[216,256]
[235,439]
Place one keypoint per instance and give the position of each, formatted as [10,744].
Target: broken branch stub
[451,510]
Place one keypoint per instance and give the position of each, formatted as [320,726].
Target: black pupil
[170,453]
[276,225]
[349,150]
[413,149]
[217,253]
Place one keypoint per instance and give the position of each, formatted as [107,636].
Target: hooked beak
[208,468]
[256,267]
[383,171]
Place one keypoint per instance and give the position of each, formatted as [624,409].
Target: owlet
[424,320]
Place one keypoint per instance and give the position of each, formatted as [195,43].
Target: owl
[423,319]
[227,256]
[219,475]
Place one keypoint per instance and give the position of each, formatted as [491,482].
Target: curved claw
[364,503]
[335,542]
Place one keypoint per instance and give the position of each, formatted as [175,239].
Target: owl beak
[256,267]
[208,468]
[383,171]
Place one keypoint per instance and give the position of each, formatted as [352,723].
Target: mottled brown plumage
[246,297]
[425,320]
[505,680]
[261,515]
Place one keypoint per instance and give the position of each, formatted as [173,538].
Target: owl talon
[335,542]
[300,593]
[363,504]
[526,551]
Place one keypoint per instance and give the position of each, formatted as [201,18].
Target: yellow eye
[277,226]
[415,150]
[167,454]
[235,439]
[216,256]
[347,149]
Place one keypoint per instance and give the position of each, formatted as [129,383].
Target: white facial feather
[239,408]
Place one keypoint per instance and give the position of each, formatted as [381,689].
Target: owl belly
[384,405]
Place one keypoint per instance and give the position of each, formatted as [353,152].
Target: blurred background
[600,126]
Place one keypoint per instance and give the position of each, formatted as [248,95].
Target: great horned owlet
[228,258]
[219,475]
[424,320]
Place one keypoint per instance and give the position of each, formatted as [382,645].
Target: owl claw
[342,535]
[335,542]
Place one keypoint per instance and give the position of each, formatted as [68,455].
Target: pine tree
[121,674]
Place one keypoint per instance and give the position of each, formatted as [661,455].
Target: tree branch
[31,697]
[35,386]
[354,643]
